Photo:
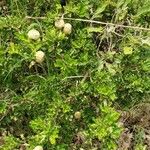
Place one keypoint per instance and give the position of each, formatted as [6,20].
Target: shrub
[91,70]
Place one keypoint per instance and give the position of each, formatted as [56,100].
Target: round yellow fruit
[33,34]
[38,148]
[59,23]
[39,56]
[67,28]
[77,115]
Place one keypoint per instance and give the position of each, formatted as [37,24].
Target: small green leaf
[100,65]
[100,9]
[13,49]
[2,107]
[110,68]
[127,50]
[92,29]
[54,136]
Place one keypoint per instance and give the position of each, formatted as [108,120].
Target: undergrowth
[97,70]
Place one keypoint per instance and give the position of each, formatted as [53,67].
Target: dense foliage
[71,99]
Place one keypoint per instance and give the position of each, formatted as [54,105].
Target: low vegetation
[69,83]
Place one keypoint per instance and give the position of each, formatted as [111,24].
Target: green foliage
[91,70]
[9,142]
[105,128]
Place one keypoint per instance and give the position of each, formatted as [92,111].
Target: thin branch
[97,22]
[85,77]
[106,23]
[73,77]
[30,17]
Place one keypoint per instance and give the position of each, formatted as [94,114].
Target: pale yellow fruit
[67,28]
[59,23]
[77,115]
[33,34]
[39,56]
[38,148]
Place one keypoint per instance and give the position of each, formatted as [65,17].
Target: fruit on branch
[39,56]
[33,34]
[59,24]
[67,28]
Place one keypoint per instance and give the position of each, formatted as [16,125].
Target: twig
[97,22]
[107,23]
[85,77]
[30,17]
[73,77]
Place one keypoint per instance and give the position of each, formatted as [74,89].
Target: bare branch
[96,22]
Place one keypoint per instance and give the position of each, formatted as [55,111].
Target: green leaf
[100,9]
[3,107]
[144,10]
[127,50]
[54,136]
[94,29]
[13,49]
[111,68]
